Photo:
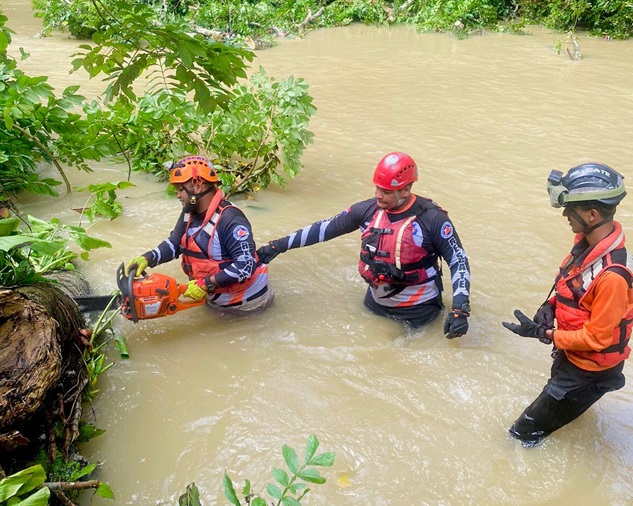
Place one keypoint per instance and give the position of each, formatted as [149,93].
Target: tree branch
[241,180]
[44,148]
[309,18]
[71,485]
[63,499]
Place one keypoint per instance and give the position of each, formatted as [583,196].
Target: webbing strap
[399,240]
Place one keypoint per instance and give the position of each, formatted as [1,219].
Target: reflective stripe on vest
[389,254]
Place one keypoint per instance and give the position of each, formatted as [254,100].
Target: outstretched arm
[343,223]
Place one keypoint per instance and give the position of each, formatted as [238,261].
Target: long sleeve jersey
[232,240]
[436,234]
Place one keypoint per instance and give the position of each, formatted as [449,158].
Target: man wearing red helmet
[403,237]
[215,242]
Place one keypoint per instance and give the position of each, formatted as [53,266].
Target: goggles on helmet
[560,195]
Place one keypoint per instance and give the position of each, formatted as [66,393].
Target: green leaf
[273,490]
[89,243]
[8,225]
[105,491]
[229,491]
[280,476]
[324,460]
[311,448]
[121,346]
[258,501]
[191,497]
[44,247]
[311,476]
[7,243]
[87,432]
[22,482]
[86,471]
[11,485]
[247,488]
[290,456]
[290,501]
[39,498]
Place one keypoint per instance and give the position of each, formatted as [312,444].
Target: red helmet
[193,167]
[395,171]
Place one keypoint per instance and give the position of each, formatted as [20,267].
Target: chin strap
[193,197]
[190,206]
[586,228]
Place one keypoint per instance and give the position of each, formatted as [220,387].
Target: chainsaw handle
[186,304]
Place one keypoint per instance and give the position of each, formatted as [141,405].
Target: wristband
[209,285]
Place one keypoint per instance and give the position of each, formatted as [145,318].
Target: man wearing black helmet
[592,304]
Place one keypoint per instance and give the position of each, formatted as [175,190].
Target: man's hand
[268,252]
[195,289]
[141,264]
[527,328]
[545,316]
[456,323]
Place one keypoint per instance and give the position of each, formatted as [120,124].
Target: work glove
[527,327]
[456,323]
[268,252]
[545,315]
[141,264]
[195,289]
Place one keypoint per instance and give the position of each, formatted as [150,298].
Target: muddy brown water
[414,419]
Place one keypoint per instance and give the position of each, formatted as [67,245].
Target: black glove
[527,328]
[268,252]
[545,315]
[456,323]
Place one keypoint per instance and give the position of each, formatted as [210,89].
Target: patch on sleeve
[241,233]
[447,230]
[417,235]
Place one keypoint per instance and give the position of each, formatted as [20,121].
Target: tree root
[310,18]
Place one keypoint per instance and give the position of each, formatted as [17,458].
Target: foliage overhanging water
[413,418]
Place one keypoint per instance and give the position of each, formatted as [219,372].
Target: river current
[414,418]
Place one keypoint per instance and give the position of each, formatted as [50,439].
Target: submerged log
[42,340]
[30,356]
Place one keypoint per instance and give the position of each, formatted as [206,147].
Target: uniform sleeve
[237,243]
[608,305]
[343,223]
[447,244]
[169,248]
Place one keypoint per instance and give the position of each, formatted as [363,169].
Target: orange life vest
[608,255]
[389,254]
[197,263]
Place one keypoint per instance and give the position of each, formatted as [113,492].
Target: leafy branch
[294,485]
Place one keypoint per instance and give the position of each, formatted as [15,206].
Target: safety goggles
[560,196]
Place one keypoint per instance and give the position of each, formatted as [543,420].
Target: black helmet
[589,181]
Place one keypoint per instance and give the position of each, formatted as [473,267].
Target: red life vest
[608,255]
[389,254]
[197,263]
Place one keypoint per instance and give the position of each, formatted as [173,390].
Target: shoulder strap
[618,269]
[427,204]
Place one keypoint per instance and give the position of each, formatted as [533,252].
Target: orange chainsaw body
[152,296]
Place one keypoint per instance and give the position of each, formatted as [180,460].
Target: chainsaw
[141,298]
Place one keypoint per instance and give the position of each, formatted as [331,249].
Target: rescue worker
[592,304]
[403,237]
[215,242]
